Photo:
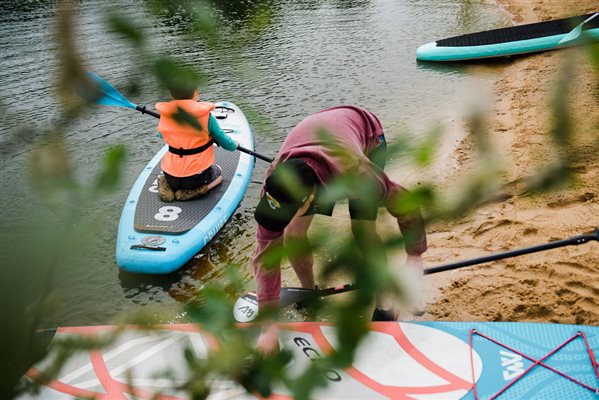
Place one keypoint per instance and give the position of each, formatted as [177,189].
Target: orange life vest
[184,138]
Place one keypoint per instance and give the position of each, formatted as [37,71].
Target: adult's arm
[219,136]
[411,224]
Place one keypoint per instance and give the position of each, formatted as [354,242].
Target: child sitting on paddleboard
[189,129]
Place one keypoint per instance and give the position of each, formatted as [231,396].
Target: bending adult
[328,144]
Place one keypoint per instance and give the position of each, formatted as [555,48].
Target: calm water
[315,54]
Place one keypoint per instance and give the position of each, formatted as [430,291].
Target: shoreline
[558,286]
[553,286]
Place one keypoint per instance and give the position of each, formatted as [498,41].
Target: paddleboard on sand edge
[520,39]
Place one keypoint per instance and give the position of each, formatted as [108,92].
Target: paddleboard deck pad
[157,237]
[396,360]
[529,38]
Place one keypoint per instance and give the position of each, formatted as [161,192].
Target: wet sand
[560,285]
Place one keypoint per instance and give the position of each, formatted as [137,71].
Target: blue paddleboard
[155,237]
[396,360]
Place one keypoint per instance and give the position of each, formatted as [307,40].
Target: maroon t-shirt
[333,142]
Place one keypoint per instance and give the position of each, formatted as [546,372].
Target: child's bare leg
[218,180]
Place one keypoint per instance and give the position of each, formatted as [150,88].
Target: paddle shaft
[590,18]
[299,294]
[154,114]
[576,240]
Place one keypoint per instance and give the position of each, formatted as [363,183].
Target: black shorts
[358,208]
[194,181]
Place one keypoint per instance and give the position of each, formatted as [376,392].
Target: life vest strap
[188,152]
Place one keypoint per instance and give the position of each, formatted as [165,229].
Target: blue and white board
[156,237]
[521,39]
[396,360]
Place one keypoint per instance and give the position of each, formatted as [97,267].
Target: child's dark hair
[181,88]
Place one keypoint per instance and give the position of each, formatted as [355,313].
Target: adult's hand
[414,262]
[268,342]
[413,283]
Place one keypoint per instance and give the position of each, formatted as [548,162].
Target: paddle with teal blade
[575,33]
[109,96]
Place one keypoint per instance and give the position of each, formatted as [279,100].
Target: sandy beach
[560,285]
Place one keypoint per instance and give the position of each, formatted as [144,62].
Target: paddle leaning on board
[246,307]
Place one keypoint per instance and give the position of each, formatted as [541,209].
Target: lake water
[312,55]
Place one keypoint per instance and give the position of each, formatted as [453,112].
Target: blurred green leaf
[184,118]
[126,28]
[213,311]
[110,175]
[561,130]
[425,152]
[172,73]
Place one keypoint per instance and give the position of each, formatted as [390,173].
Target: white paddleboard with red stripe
[396,360]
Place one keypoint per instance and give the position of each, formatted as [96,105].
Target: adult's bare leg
[303,261]
[371,245]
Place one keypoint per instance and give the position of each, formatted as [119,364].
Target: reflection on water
[297,57]
[465,67]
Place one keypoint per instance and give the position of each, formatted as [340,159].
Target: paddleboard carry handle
[147,247]
[223,112]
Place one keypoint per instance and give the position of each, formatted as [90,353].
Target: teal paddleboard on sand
[396,360]
[521,39]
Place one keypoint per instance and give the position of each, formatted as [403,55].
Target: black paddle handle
[144,110]
[253,153]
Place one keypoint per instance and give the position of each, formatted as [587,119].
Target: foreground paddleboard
[520,39]
[396,360]
[156,237]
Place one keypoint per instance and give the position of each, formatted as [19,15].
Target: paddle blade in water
[246,308]
[106,94]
